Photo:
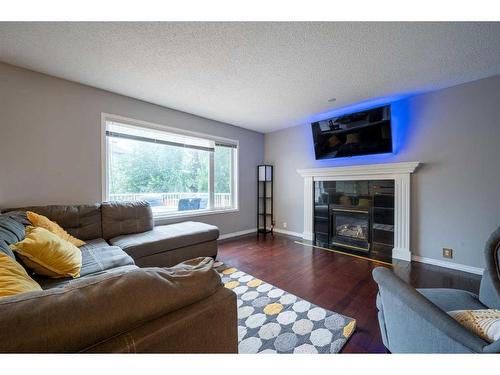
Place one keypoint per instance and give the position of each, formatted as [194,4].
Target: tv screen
[361,133]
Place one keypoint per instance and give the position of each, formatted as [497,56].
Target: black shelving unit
[265,218]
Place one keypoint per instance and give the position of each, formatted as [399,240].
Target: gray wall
[50,149]
[455,133]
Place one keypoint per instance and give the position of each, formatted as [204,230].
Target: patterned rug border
[284,336]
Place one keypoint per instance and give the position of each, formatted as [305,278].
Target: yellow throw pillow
[43,222]
[48,255]
[484,323]
[14,279]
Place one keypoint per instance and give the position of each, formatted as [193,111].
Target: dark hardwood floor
[337,282]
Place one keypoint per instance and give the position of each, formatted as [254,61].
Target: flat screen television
[361,133]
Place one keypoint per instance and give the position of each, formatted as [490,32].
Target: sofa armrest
[413,324]
[489,291]
[92,309]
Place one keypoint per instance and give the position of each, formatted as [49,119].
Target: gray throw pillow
[11,231]
[19,216]
[4,248]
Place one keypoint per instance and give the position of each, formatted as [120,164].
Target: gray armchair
[415,321]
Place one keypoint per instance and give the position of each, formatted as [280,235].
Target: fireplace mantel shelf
[399,172]
[357,170]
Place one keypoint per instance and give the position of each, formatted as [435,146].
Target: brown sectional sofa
[115,306]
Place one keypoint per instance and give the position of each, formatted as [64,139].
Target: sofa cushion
[166,237]
[5,249]
[98,257]
[120,218]
[175,256]
[452,299]
[11,231]
[19,216]
[81,221]
[44,222]
[48,283]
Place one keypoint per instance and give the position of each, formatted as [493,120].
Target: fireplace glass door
[351,228]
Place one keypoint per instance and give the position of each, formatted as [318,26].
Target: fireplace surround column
[402,217]
[399,172]
[308,208]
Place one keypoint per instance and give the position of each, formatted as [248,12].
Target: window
[177,172]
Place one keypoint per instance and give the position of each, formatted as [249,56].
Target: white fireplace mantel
[399,172]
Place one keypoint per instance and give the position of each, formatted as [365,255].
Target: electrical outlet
[447,253]
[285,225]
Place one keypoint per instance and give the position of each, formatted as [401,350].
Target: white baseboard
[287,232]
[236,234]
[307,236]
[253,230]
[443,263]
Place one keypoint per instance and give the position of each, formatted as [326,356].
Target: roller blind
[142,134]
[226,144]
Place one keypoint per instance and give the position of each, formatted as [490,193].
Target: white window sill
[161,218]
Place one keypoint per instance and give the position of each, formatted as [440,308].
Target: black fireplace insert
[350,227]
[355,217]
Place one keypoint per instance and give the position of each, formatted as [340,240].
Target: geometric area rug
[271,320]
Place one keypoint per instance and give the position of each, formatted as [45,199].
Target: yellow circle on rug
[349,328]
[273,308]
[254,283]
[229,271]
[231,284]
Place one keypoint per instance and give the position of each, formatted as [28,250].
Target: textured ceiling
[260,76]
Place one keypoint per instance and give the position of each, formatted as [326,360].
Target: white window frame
[149,125]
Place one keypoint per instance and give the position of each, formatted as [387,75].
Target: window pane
[223,169]
[170,178]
